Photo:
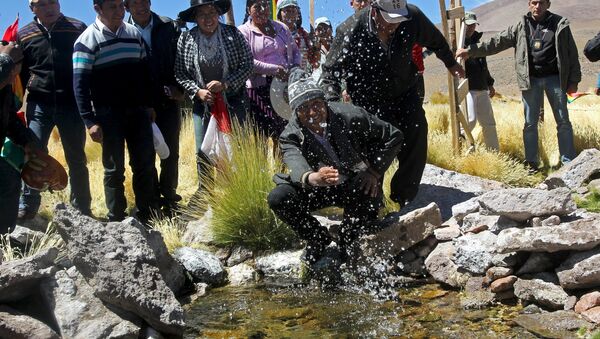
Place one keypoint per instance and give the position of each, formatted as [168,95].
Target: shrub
[35,245]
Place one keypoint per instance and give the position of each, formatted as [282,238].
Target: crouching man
[337,155]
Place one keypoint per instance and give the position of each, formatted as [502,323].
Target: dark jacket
[161,58]
[373,74]
[10,125]
[592,49]
[355,135]
[48,65]
[477,69]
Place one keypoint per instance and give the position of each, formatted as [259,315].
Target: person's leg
[40,121]
[141,154]
[168,120]
[421,87]
[113,160]
[558,101]
[10,181]
[360,211]
[485,117]
[203,166]
[532,101]
[73,136]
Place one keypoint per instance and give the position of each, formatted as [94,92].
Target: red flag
[11,32]
[219,111]
[11,35]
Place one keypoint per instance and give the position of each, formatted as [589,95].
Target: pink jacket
[268,52]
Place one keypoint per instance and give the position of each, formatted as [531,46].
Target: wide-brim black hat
[189,14]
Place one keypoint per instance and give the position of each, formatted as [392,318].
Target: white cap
[392,11]
[322,20]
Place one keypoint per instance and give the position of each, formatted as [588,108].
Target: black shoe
[532,168]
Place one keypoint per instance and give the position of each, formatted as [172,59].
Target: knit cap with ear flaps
[302,88]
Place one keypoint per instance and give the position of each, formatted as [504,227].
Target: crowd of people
[356,99]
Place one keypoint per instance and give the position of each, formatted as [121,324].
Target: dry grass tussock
[35,245]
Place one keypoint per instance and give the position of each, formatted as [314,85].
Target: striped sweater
[110,70]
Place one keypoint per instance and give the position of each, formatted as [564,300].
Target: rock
[223,253]
[537,262]
[579,235]
[536,222]
[415,267]
[475,295]
[580,170]
[582,190]
[593,315]
[531,309]
[542,293]
[588,301]
[559,324]
[505,295]
[199,231]
[495,273]
[37,224]
[203,266]
[594,185]
[16,325]
[476,223]
[117,261]
[19,277]
[570,305]
[150,333]
[78,313]
[200,291]
[551,184]
[171,271]
[425,247]
[475,252]
[553,220]
[507,259]
[407,256]
[503,284]
[447,233]
[282,269]
[460,211]
[241,275]
[24,235]
[441,267]
[238,256]
[400,233]
[522,204]
[580,270]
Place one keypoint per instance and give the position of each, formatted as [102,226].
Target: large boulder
[476,222]
[580,270]
[118,262]
[281,269]
[78,313]
[241,275]
[442,268]
[579,235]
[588,301]
[19,278]
[17,325]
[475,252]
[580,170]
[171,271]
[400,232]
[559,324]
[542,293]
[521,204]
[24,235]
[202,265]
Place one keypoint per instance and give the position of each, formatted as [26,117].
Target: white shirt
[146,31]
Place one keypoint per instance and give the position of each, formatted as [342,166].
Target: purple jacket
[268,52]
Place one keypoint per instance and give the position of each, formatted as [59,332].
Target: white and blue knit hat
[302,88]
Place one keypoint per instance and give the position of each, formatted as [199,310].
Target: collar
[37,20]
[102,27]
[549,15]
[149,26]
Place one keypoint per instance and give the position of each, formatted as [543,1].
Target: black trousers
[293,205]
[131,125]
[168,120]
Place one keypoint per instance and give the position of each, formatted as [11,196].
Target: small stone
[582,190]
[238,256]
[503,284]
[505,295]
[241,275]
[459,211]
[202,265]
[536,222]
[531,309]
[495,273]
[447,233]
[593,314]
[588,301]
[553,220]
[570,304]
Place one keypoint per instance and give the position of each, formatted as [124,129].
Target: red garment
[219,111]
[417,57]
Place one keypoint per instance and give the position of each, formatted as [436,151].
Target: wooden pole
[451,85]
[312,12]
[229,17]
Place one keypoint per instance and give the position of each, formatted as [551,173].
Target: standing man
[372,53]
[113,89]
[546,60]
[358,4]
[481,88]
[47,71]
[160,35]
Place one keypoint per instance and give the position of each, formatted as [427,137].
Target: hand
[462,53]
[34,162]
[346,96]
[326,176]
[152,114]
[597,91]
[96,133]
[492,91]
[176,93]
[215,86]
[206,96]
[13,50]
[457,70]
[572,88]
[368,183]
[282,73]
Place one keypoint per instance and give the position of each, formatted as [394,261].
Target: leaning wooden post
[312,12]
[229,17]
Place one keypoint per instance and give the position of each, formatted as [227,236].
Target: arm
[241,71]
[83,62]
[573,59]
[502,41]
[184,76]
[431,38]
[293,157]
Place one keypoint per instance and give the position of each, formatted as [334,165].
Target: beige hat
[470,18]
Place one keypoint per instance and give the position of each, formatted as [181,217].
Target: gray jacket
[358,138]
[516,36]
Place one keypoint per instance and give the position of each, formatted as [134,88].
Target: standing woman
[289,13]
[212,58]
[275,53]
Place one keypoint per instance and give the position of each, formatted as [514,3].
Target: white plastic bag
[160,146]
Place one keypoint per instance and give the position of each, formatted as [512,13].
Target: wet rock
[522,204]
[579,235]
[476,223]
[460,211]
[203,266]
[24,235]
[239,255]
[580,170]
[475,295]
[503,284]
[16,325]
[587,301]
[78,313]
[537,262]
[553,220]
[117,261]
[542,293]
[171,271]
[199,231]
[400,233]
[283,268]
[241,275]
[475,252]
[19,277]
[495,273]
[580,270]
[593,315]
[559,324]
[442,268]
[415,267]
[531,309]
